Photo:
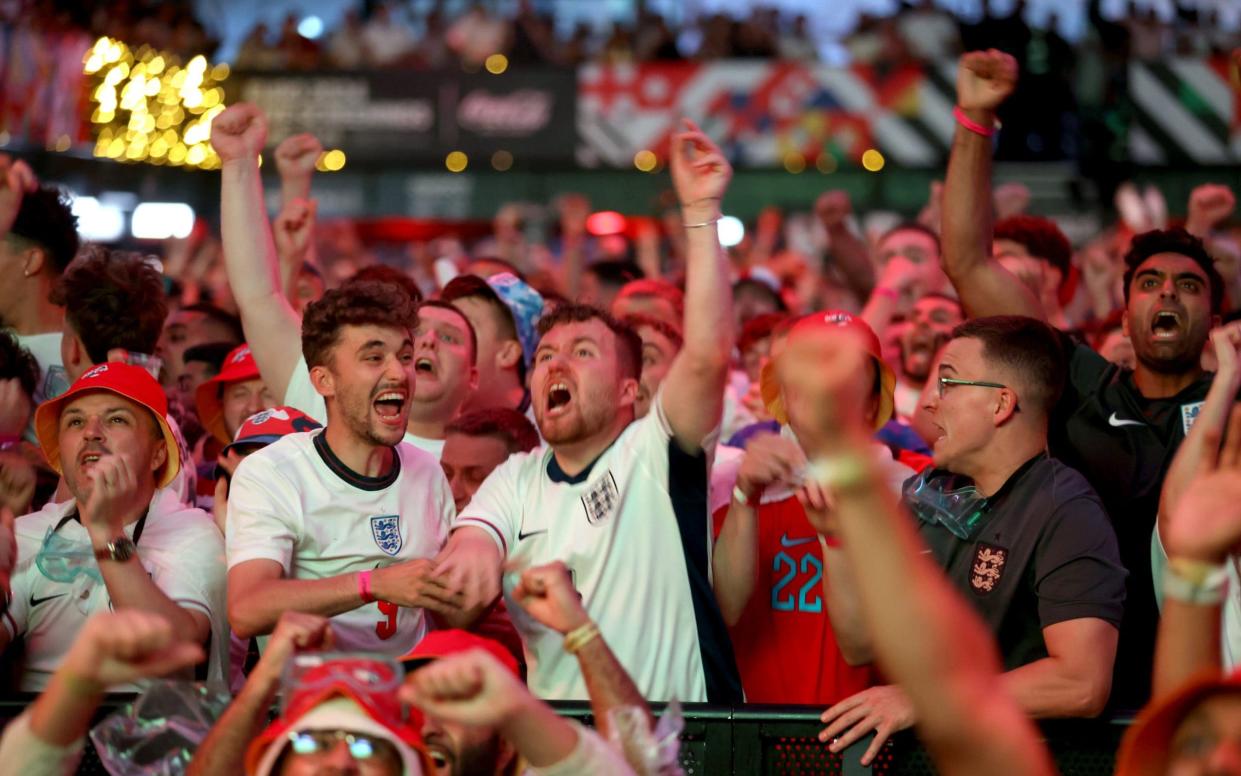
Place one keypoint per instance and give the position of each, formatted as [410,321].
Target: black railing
[768,740]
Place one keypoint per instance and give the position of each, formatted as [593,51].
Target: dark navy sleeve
[1077,566]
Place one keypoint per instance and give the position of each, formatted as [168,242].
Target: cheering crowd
[992,481]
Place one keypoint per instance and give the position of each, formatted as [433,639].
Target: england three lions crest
[386,529]
[988,567]
[601,500]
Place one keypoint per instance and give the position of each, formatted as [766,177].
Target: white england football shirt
[635,531]
[53,381]
[296,503]
[179,546]
[301,395]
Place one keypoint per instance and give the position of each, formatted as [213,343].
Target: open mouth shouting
[1167,325]
[425,367]
[559,398]
[390,406]
[90,457]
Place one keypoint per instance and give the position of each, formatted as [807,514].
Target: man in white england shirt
[622,504]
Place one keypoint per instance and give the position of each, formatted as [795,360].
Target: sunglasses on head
[361,745]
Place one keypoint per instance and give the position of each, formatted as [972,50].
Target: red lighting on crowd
[605,222]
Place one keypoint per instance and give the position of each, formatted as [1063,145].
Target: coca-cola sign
[518,113]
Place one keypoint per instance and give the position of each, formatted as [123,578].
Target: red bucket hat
[133,383]
[238,366]
[830,321]
[1144,751]
[263,428]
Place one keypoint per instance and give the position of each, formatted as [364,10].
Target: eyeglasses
[944,382]
[361,746]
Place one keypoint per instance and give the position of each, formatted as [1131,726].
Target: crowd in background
[626,467]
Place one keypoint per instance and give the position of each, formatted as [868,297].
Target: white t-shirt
[635,532]
[53,380]
[179,546]
[301,395]
[295,503]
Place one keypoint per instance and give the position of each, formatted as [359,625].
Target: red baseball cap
[238,366]
[443,643]
[1145,749]
[133,383]
[263,428]
[829,321]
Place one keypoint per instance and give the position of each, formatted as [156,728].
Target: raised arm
[223,752]
[847,249]
[984,80]
[693,392]
[295,161]
[111,648]
[547,595]
[272,328]
[473,689]
[950,671]
[1199,531]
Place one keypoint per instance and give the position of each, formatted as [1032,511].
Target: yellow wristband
[81,686]
[579,637]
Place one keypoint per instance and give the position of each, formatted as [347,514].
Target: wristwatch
[120,549]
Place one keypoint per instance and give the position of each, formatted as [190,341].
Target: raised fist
[1209,204]
[296,155]
[700,173]
[239,132]
[832,208]
[985,79]
[294,228]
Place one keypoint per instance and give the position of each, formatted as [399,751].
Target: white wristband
[1199,589]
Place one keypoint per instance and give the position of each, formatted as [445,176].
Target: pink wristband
[9,442]
[889,293]
[970,124]
[364,586]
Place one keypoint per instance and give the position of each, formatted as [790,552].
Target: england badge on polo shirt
[988,566]
[386,529]
[601,500]
[1189,415]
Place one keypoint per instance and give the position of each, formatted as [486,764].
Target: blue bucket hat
[526,306]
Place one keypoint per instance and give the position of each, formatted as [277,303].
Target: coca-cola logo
[518,113]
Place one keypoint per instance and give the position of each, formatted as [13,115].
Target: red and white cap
[263,428]
[830,322]
[133,383]
[443,643]
[209,397]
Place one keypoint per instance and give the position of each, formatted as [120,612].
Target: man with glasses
[1024,537]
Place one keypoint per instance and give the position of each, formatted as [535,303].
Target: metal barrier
[783,741]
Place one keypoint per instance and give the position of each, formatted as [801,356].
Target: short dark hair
[508,425]
[673,334]
[220,316]
[46,218]
[1176,241]
[356,303]
[1026,346]
[113,299]
[212,353]
[911,226]
[1041,237]
[18,362]
[759,328]
[474,287]
[469,327]
[616,272]
[629,344]
[385,274]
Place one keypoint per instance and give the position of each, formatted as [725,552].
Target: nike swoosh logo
[1116,422]
[785,541]
[36,601]
[523,536]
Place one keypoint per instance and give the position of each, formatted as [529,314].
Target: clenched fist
[296,155]
[984,80]
[1209,204]
[239,132]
